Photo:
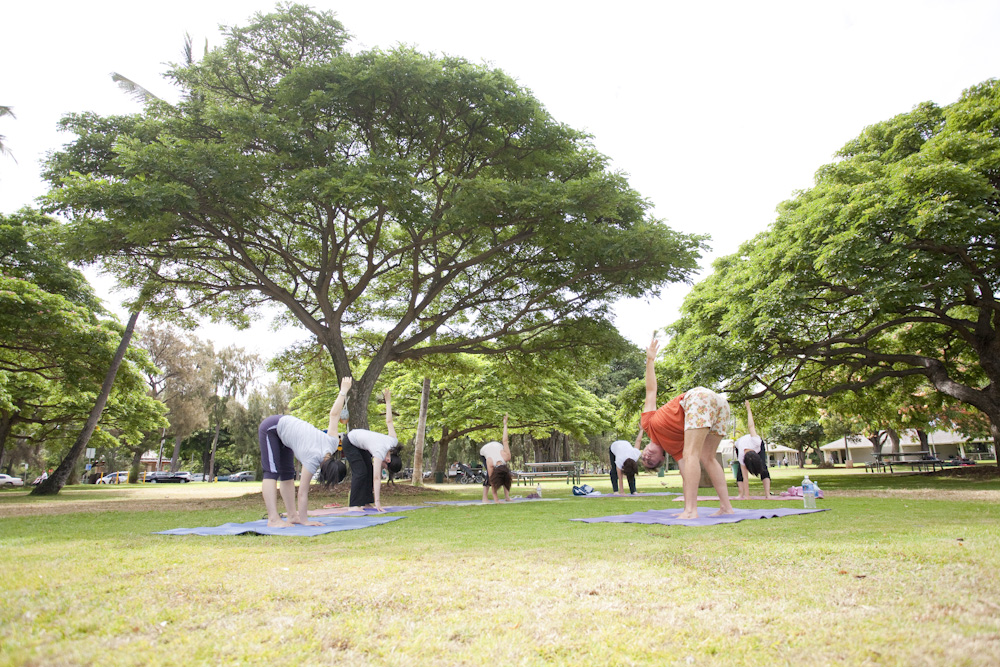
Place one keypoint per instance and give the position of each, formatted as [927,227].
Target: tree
[384,199]
[55,346]
[232,373]
[5,111]
[181,380]
[887,268]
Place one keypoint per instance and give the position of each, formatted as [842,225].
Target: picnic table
[555,469]
[886,460]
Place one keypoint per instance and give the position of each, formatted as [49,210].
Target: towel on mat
[669,517]
[259,527]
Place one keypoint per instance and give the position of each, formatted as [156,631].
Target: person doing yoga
[624,457]
[495,457]
[689,428]
[752,455]
[284,438]
[367,452]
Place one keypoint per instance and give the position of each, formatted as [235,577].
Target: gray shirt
[376,444]
[308,443]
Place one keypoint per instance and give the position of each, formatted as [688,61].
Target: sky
[717,111]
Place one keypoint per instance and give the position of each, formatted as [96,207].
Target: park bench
[527,477]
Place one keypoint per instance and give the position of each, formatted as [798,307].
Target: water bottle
[808,493]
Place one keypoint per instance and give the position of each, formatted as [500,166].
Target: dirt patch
[978,472]
[181,497]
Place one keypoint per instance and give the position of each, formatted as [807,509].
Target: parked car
[167,477]
[243,476]
[8,481]
[120,477]
[198,477]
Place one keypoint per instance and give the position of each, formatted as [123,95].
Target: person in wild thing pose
[284,438]
[689,428]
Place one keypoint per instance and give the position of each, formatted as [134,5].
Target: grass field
[902,571]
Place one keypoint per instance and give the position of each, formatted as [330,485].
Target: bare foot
[688,515]
[722,512]
[278,523]
[308,523]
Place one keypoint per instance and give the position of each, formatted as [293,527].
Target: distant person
[284,438]
[624,457]
[495,457]
[689,428]
[751,453]
[367,453]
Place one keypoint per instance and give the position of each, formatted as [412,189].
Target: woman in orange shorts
[689,428]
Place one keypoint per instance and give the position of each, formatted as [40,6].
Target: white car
[7,480]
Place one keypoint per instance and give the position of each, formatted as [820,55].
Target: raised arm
[651,351]
[390,429]
[338,407]
[638,436]
[750,425]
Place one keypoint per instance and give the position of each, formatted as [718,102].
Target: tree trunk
[133,471]
[417,479]
[6,424]
[57,480]
[704,482]
[893,440]
[215,442]
[442,458]
[175,459]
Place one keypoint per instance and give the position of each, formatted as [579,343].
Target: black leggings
[763,459]
[362,474]
[614,476]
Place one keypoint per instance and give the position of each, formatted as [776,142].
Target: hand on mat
[378,507]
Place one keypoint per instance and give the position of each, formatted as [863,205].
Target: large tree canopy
[888,268]
[396,204]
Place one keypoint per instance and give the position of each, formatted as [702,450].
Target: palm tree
[6,111]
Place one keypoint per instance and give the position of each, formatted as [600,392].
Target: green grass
[902,571]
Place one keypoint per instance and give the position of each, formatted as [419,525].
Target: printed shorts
[703,408]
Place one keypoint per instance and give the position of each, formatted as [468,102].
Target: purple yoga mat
[259,527]
[669,517]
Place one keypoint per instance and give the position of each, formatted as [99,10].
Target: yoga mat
[637,495]
[733,498]
[489,502]
[259,527]
[669,517]
[343,511]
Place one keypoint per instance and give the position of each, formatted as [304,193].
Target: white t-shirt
[493,451]
[376,444]
[308,443]
[747,443]
[624,451]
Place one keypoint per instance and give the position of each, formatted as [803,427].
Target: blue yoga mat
[489,502]
[330,524]
[669,517]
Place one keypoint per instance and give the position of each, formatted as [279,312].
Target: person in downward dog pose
[495,457]
[284,438]
[752,455]
[624,457]
[689,428]
[367,452]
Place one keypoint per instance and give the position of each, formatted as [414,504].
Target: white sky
[717,111]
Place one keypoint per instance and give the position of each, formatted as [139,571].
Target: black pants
[362,474]
[614,476]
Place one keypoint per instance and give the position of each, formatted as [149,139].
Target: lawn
[902,571]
